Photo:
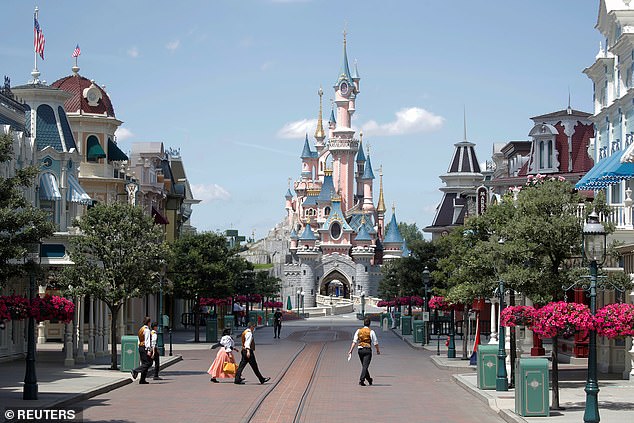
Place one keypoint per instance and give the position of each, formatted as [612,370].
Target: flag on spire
[38,39]
[77,51]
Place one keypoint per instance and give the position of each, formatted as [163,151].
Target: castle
[337,233]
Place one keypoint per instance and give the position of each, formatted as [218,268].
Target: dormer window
[546,154]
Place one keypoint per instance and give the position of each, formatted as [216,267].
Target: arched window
[550,154]
[94,151]
[327,211]
[541,155]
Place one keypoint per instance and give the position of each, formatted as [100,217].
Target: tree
[202,266]
[118,256]
[21,224]
[409,232]
[266,285]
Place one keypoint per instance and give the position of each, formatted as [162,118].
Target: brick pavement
[407,386]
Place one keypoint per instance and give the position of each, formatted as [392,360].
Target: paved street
[311,381]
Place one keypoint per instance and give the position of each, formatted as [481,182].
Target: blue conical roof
[308,234]
[393,234]
[306,152]
[363,234]
[332,116]
[367,172]
[344,73]
[327,189]
[355,71]
[294,234]
[360,154]
[289,194]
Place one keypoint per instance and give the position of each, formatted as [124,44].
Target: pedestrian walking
[219,368]
[155,351]
[277,323]
[365,338]
[145,352]
[248,356]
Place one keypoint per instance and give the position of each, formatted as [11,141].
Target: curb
[102,389]
[505,414]
[438,363]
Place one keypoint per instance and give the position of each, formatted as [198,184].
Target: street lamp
[363,304]
[30,379]
[594,248]
[159,335]
[501,382]
[426,285]
[303,310]
[299,291]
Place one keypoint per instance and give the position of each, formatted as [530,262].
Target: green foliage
[203,266]
[266,285]
[409,232]
[118,256]
[404,276]
[21,224]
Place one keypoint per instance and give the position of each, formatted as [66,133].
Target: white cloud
[209,192]
[267,65]
[173,45]
[123,134]
[409,120]
[133,52]
[297,129]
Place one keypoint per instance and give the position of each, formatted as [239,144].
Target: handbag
[229,367]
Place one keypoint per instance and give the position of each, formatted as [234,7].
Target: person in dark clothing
[145,352]
[248,356]
[155,351]
[277,323]
[365,337]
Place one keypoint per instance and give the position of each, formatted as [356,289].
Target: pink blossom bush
[517,316]
[562,319]
[615,320]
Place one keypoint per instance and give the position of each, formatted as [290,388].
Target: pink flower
[615,320]
[517,316]
[562,319]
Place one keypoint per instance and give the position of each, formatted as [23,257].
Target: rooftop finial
[464,118]
[393,207]
[569,110]
[319,132]
[380,208]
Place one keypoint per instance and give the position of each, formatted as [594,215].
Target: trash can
[230,322]
[211,329]
[253,316]
[531,387]
[129,352]
[406,325]
[418,330]
[487,366]
[397,319]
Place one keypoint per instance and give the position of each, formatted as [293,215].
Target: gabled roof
[563,113]
[336,214]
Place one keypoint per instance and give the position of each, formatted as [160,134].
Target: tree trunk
[196,320]
[555,376]
[114,311]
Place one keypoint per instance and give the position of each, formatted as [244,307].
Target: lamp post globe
[594,249]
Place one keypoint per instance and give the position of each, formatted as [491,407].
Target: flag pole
[35,73]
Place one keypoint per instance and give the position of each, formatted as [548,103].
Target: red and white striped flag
[38,39]
[77,51]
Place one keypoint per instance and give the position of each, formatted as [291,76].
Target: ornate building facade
[337,232]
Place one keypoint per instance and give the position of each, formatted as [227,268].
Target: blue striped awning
[49,190]
[609,171]
[76,193]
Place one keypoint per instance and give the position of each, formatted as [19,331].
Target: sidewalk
[616,396]
[60,386]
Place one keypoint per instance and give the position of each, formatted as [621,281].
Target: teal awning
[76,193]
[49,190]
[114,152]
[608,171]
[93,149]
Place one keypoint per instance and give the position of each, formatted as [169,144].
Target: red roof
[76,84]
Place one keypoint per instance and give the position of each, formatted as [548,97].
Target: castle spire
[381,206]
[345,68]
[319,132]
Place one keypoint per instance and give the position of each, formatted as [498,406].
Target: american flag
[38,39]
[77,51]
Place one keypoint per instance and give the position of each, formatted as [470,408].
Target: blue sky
[231,83]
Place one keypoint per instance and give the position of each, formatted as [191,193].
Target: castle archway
[335,284]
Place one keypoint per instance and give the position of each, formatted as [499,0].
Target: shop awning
[76,193]
[608,171]
[93,149]
[159,219]
[114,152]
[49,190]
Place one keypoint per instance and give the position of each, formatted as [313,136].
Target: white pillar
[68,344]
[91,329]
[80,358]
[41,327]
[628,209]
[493,339]
[99,333]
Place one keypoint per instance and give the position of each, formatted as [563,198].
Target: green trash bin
[487,366]
[531,387]
[211,329]
[253,316]
[230,322]
[406,325]
[418,331]
[397,319]
[129,352]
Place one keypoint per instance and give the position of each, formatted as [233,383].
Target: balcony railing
[621,215]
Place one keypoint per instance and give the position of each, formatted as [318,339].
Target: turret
[319,132]
[393,242]
[360,167]
[368,181]
[355,77]
[308,160]
[380,208]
